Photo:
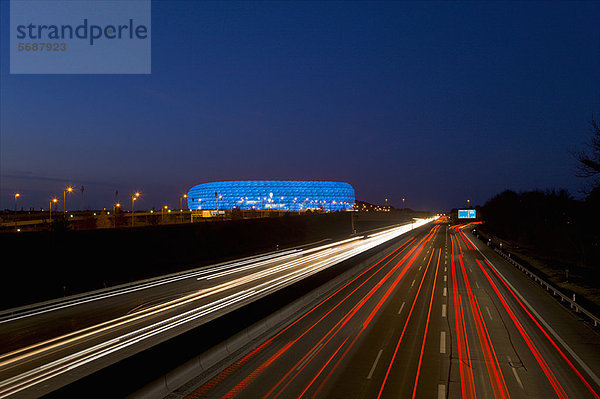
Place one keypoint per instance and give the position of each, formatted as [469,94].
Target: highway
[49,346]
[442,316]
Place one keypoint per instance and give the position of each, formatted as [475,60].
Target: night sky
[435,102]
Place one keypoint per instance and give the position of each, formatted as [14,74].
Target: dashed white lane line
[413,283]
[445,269]
[445,291]
[401,307]
[374,364]
[489,313]
[443,342]
[443,310]
[445,278]
[420,267]
[441,391]
[477,285]
[514,370]
[308,357]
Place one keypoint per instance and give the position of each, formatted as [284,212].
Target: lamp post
[403,206]
[162,216]
[17,195]
[386,202]
[134,197]
[181,205]
[52,201]
[468,203]
[65,191]
[115,207]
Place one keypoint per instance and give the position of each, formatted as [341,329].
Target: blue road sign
[467,214]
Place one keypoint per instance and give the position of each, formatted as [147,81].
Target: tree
[589,161]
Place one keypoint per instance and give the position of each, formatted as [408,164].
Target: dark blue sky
[435,102]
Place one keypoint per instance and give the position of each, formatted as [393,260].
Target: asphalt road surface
[45,347]
[440,317]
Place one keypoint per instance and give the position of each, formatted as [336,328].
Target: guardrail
[555,291]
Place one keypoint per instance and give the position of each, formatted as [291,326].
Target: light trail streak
[290,272]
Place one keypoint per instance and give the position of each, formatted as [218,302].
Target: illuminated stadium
[272,195]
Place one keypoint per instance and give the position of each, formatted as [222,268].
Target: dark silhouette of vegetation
[552,222]
[589,161]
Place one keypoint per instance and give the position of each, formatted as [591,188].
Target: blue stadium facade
[272,194]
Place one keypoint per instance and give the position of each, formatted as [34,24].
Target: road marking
[477,285]
[401,307]
[413,283]
[445,291]
[420,267]
[309,357]
[489,313]
[444,310]
[445,278]
[443,342]
[471,270]
[424,258]
[374,364]
[445,268]
[441,391]
[514,370]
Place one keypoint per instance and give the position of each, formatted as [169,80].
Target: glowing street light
[134,198]
[403,206]
[115,207]
[65,191]
[468,203]
[52,201]
[17,195]
[181,201]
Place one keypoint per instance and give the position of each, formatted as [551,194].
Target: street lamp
[162,216]
[468,203]
[115,206]
[181,201]
[17,195]
[52,201]
[403,206]
[65,191]
[134,197]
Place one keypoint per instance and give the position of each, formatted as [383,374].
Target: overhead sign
[467,214]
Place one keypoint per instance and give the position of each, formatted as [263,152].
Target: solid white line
[443,342]
[489,313]
[401,307]
[312,353]
[443,310]
[514,370]
[445,291]
[441,391]
[585,367]
[374,364]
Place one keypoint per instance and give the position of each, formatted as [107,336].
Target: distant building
[272,194]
